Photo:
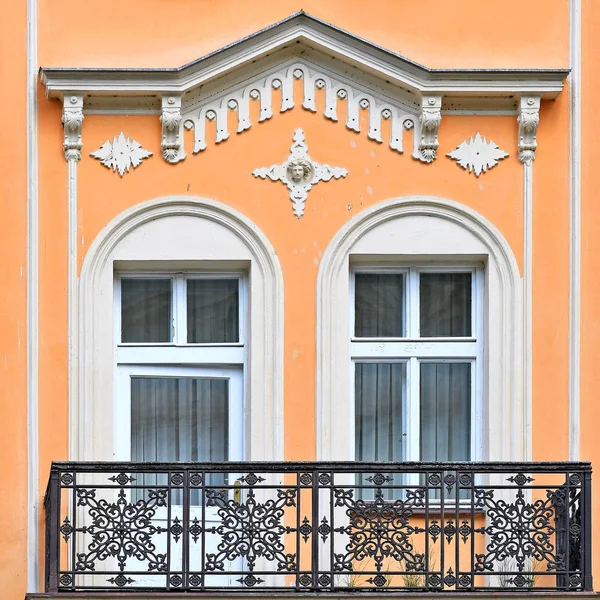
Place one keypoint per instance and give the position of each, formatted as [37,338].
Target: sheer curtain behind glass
[379,406]
[179,419]
[212,311]
[445,304]
[445,429]
[379,305]
[145,310]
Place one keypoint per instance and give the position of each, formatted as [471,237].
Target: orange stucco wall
[590,250]
[13,277]
[151,33]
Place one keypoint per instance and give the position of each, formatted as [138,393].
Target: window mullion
[179,310]
[413,303]
[413,410]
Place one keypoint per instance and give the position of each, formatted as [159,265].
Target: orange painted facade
[444,35]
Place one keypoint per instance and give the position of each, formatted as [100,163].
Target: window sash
[412,410]
[122,409]
[412,324]
[179,308]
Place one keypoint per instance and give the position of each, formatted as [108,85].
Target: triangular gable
[348,68]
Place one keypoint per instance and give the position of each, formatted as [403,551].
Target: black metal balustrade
[318,527]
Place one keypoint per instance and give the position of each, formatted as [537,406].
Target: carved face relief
[299,171]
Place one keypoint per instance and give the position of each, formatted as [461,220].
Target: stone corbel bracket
[528,119]
[430,119]
[72,120]
[172,129]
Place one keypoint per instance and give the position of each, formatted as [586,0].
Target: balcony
[318,527]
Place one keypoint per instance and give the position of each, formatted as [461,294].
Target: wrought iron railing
[320,527]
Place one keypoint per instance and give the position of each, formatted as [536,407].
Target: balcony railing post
[314,563]
[586,529]
[185,557]
[52,509]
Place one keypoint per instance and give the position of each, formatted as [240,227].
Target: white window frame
[178,233]
[413,349]
[439,231]
[180,358]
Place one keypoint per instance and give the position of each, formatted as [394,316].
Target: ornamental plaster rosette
[477,155]
[122,154]
[299,172]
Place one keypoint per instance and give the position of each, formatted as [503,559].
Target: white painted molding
[528,299]
[172,129]
[430,119]
[32,325]
[477,155]
[357,94]
[528,119]
[72,120]
[169,231]
[304,31]
[414,228]
[121,155]
[575,237]
[299,172]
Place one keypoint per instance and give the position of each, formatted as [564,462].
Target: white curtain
[145,310]
[179,419]
[212,311]
[445,304]
[379,305]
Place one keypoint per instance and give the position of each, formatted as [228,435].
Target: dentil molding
[477,155]
[122,154]
[529,120]
[424,121]
[72,120]
[299,172]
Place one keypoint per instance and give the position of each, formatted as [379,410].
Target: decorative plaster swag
[320,56]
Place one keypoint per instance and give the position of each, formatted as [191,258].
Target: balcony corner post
[587,531]
[52,508]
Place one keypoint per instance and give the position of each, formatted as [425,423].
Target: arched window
[151,272]
[419,338]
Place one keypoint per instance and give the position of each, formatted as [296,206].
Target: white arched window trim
[178,232]
[417,228]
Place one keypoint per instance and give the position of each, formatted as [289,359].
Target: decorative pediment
[349,69]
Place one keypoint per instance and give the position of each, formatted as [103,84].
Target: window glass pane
[380,427]
[145,310]
[213,311]
[379,305]
[179,419]
[445,429]
[445,303]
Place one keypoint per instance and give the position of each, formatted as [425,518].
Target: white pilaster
[33,488]
[575,237]
[72,122]
[528,120]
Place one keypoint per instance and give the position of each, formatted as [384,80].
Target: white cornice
[315,34]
